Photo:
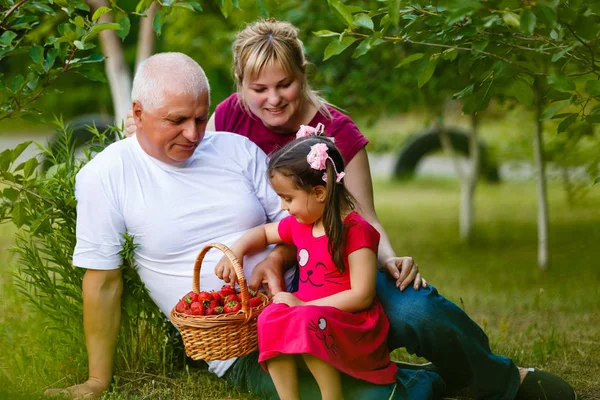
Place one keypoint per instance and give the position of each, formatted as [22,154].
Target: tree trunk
[469,183]
[542,195]
[147,36]
[117,71]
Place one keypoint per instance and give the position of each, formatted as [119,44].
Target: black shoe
[541,385]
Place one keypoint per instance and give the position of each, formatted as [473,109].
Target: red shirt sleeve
[285,229]
[223,114]
[360,234]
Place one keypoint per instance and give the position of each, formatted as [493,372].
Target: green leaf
[409,59]
[99,27]
[183,5]
[511,19]
[363,20]
[336,46]
[466,92]
[341,11]
[37,54]
[550,111]
[593,88]
[367,44]
[93,74]
[528,21]
[123,20]
[450,54]
[30,166]
[50,58]
[597,180]
[18,214]
[11,194]
[326,33]
[427,73]
[561,83]
[19,149]
[7,38]
[394,12]
[100,12]
[547,15]
[16,83]
[159,20]
[565,123]
[522,91]
[79,21]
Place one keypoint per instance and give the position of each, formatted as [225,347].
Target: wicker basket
[224,336]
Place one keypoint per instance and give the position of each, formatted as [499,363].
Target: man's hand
[92,389]
[287,298]
[405,271]
[268,274]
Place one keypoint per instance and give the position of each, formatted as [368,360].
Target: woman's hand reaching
[406,271]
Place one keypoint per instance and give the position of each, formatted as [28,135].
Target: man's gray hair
[174,73]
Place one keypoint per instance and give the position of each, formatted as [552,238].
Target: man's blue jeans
[429,326]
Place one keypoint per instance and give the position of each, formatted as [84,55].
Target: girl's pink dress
[354,343]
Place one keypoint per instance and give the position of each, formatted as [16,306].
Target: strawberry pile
[225,301]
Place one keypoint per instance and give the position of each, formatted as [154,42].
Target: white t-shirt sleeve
[257,171]
[100,226]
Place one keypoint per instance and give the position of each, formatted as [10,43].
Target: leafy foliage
[504,49]
[43,206]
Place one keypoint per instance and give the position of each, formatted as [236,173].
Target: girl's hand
[406,271]
[224,270]
[130,127]
[287,298]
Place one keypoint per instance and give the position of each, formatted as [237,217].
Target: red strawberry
[255,302]
[197,308]
[232,307]
[181,306]
[218,310]
[205,296]
[227,289]
[188,298]
[188,311]
[230,297]
[217,296]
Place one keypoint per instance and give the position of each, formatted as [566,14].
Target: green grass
[548,320]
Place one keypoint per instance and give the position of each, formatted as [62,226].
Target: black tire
[81,134]
[420,145]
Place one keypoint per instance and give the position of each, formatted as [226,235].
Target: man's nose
[192,131]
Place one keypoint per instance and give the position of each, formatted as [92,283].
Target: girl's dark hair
[290,161]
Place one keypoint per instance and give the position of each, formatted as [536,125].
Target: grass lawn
[548,320]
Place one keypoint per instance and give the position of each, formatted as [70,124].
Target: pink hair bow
[307,130]
[317,159]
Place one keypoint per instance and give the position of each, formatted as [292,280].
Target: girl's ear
[320,192]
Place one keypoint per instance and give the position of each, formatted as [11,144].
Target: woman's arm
[363,275]
[359,184]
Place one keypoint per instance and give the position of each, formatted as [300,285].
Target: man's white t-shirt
[173,211]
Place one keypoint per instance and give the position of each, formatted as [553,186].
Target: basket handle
[236,266]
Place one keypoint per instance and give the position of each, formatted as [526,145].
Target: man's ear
[320,192]
[137,109]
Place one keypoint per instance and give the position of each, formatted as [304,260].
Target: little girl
[333,322]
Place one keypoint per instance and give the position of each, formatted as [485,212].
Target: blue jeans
[429,326]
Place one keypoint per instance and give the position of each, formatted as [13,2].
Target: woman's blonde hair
[265,42]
